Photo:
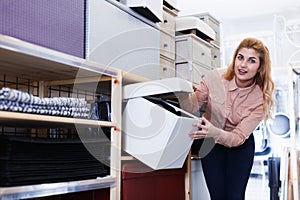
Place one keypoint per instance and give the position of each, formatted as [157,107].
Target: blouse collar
[242,91]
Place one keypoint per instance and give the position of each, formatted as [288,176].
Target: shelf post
[116,110]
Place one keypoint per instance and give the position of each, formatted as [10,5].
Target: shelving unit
[47,68]
[41,190]
[294,148]
[167,42]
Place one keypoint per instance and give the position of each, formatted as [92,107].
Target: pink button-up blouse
[235,111]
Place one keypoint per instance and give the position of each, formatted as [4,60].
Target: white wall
[281,34]
[273,29]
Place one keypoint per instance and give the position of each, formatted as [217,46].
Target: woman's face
[246,66]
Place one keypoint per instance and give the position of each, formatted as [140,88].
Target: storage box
[191,71]
[148,8]
[155,131]
[190,48]
[55,24]
[189,23]
[172,3]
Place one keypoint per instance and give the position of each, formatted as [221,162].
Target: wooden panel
[15,119]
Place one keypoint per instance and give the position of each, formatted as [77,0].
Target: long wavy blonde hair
[263,77]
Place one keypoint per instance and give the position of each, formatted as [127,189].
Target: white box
[152,9]
[190,48]
[172,3]
[152,134]
[193,23]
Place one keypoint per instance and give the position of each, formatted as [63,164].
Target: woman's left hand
[203,129]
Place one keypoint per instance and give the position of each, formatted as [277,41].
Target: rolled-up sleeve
[193,101]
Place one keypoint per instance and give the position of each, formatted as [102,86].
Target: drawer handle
[165,45]
[215,56]
[202,53]
[164,69]
[165,21]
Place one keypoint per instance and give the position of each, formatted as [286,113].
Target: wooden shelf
[15,119]
[47,67]
[29,61]
[132,78]
[40,190]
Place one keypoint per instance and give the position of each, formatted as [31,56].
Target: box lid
[190,22]
[157,87]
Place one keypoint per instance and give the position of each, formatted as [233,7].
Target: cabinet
[167,41]
[193,57]
[291,179]
[216,26]
[43,68]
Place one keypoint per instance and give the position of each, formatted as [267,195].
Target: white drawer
[168,23]
[193,72]
[190,48]
[215,58]
[201,52]
[167,67]
[167,45]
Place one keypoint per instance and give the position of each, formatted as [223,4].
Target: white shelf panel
[34,120]
[41,190]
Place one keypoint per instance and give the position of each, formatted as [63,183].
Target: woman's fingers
[202,131]
[197,134]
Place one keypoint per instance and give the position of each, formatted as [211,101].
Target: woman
[236,100]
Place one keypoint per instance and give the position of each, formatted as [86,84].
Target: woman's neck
[244,84]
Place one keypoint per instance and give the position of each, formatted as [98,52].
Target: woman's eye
[240,57]
[252,61]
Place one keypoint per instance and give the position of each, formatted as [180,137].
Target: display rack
[48,67]
[294,150]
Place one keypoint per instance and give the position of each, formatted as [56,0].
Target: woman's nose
[244,63]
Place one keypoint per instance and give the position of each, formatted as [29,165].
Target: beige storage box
[190,48]
[192,71]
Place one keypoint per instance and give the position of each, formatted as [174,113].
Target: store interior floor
[257,188]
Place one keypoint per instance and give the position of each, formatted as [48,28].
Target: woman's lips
[242,72]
